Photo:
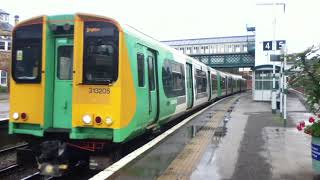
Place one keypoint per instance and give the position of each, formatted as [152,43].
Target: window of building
[182,49]
[214,49]
[100,58]
[140,63]
[196,50]
[201,50]
[9,46]
[188,50]
[173,78]
[230,48]
[3,79]
[2,45]
[206,49]
[201,81]
[237,48]
[245,48]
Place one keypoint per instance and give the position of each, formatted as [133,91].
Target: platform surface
[252,144]
[259,145]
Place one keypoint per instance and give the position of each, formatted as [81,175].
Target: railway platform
[4,106]
[237,138]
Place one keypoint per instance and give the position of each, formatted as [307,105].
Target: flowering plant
[313,129]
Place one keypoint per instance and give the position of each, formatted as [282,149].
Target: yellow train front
[83,83]
[68,84]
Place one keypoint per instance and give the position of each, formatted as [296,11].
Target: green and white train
[82,79]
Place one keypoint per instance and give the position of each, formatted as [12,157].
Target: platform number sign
[280,44]
[267,45]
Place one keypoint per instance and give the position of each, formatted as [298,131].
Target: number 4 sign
[267,45]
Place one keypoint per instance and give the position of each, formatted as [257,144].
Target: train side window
[173,78]
[140,63]
[201,81]
[214,83]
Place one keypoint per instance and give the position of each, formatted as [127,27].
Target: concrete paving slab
[260,145]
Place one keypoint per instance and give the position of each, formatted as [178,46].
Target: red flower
[299,127]
[311,119]
[302,124]
[318,115]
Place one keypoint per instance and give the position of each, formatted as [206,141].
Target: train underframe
[55,156]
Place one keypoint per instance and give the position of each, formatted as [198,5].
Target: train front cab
[67,77]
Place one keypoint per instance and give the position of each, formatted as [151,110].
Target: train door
[189,85]
[62,100]
[152,85]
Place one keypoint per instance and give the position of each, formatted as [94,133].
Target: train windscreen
[27,53]
[100,59]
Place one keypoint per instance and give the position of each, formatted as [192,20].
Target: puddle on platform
[220,157]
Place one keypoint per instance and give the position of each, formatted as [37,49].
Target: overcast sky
[183,19]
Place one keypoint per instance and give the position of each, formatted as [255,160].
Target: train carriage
[84,78]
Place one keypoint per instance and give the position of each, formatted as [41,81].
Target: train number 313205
[99,90]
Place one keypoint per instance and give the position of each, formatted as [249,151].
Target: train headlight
[109,121]
[87,119]
[15,116]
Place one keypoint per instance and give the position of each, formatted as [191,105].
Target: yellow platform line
[187,160]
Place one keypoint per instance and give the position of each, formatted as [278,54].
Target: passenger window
[65,61]
[173,79]
[201,81]
[151,73]
[140,63]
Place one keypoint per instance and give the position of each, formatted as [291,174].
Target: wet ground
[155,162]
[256,145]
[260,145]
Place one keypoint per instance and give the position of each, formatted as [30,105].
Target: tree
[306,74]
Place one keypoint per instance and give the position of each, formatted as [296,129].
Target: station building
[5,45]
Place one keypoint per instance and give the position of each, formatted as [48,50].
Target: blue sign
[315,149]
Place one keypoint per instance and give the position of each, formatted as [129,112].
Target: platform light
[15,116]
[109,121]
[86,119]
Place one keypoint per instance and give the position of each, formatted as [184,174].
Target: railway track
[12,148]
[9,169]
